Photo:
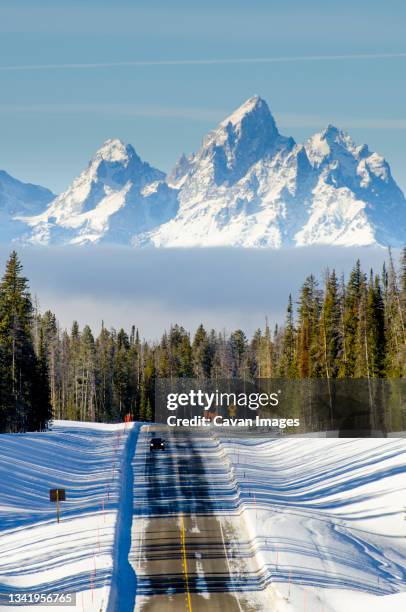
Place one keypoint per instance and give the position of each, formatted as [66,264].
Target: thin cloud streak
[315,122]
[128,110]
[204,114]
[202,62]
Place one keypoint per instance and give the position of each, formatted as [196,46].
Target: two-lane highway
[181,551]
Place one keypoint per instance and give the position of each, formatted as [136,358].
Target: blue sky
[69,77]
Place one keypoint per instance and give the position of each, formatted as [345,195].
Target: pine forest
[338,328]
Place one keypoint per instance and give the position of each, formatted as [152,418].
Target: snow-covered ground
[312,525]
[36,553]
[326,519]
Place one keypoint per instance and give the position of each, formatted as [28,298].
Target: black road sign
[57,495]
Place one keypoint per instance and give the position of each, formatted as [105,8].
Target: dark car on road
[157,444]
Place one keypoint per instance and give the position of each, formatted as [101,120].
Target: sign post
[56,496]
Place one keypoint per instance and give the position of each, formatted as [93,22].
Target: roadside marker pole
[58,510]
[93,576]
[91,583]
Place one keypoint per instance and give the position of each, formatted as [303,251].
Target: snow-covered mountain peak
[253,106]
[115,197]
[114,150]
[114,165]
[334,144]
[346,164]
[247,122]
[334,134]
[331,143]
[246,136]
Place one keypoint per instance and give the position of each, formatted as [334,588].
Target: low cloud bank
[223,288]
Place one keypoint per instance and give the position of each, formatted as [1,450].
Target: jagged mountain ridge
[327,191]
[116,197]
[18,198]
[247,185]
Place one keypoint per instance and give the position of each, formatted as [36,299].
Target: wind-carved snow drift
[246,186]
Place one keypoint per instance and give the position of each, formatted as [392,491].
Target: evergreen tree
[361,349]
[202,354]
[105,350]
[142,410]
[7,411]
[376,328]
[121,381]
[20,369]
[163,358]
[238,350]
[307,332]
[49,329]
[394,323]
[148,382]
[288,359]
[41,393]
[180,353]
[148,411]
[330,331]
[88,375]
[263,354]
[74,374]
[351,321]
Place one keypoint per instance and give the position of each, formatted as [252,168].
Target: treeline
[338,329]
[353,329]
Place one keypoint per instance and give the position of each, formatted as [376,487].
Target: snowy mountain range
[246,186]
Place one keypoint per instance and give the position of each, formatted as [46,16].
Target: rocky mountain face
[246,186]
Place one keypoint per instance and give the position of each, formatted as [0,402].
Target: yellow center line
[184,561]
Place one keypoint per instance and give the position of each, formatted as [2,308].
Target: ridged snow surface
[326,521]
[246,186]
[37,554]
[305,523]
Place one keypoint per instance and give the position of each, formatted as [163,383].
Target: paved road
[181,552]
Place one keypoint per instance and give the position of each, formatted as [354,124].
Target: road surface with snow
[182,551]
